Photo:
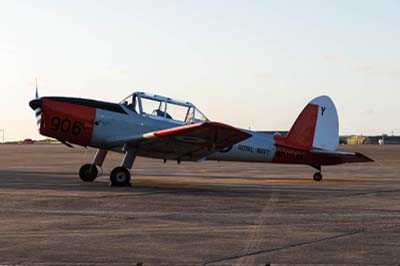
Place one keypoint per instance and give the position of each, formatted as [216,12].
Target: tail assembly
[315,137]
[317,127]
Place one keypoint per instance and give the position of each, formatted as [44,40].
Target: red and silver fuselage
[97,124]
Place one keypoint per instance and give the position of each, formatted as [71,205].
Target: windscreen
[152,107]
[177,112]
[164,108]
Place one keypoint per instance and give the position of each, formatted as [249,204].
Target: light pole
[2,131]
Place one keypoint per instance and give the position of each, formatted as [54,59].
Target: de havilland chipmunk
[160,127]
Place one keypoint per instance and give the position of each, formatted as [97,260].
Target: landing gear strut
[88,172]
[318,175]
[120,176]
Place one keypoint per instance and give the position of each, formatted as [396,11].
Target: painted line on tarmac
[254,240]
[366,193]
[282,248]
[87,213]
[387,214]
[145,193]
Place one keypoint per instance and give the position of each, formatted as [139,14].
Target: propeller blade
[37,92]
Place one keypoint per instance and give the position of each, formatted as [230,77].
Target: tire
[120,177]
[317,176]
[87,173]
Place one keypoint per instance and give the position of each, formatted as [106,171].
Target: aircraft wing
[340,157]
[190,142]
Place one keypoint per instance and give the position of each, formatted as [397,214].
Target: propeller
[37,107]
[37,91]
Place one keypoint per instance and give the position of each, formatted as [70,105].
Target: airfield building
[357,140]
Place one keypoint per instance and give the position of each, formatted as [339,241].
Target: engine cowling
[67,122]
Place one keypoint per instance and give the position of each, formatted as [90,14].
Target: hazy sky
[246,63]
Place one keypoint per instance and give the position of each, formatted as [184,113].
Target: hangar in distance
[154,126]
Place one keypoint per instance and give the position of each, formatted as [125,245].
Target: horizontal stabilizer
[339,157]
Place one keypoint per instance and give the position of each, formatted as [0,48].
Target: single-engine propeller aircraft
[160,127]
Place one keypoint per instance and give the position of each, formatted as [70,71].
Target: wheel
[88,172]
[317,176]
[120,177]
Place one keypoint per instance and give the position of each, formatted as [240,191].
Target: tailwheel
[120,177]
[318,176]
[88,172]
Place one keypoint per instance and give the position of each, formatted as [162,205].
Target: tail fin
[316,127]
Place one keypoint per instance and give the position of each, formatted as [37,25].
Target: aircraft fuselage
[312,139]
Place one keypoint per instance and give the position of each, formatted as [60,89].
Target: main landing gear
[88,172]
[119,176]
[318,175]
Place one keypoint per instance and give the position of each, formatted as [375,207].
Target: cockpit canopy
[160,107]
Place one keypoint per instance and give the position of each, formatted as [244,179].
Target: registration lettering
[245,148]
[262,151]
[290,156]
[252,149]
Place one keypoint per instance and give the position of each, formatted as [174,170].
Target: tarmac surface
[209,213]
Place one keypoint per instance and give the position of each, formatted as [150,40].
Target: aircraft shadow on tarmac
[68,181]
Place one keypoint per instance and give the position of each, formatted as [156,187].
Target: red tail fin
[302,132]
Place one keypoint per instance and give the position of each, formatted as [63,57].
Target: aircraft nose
[35,103]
